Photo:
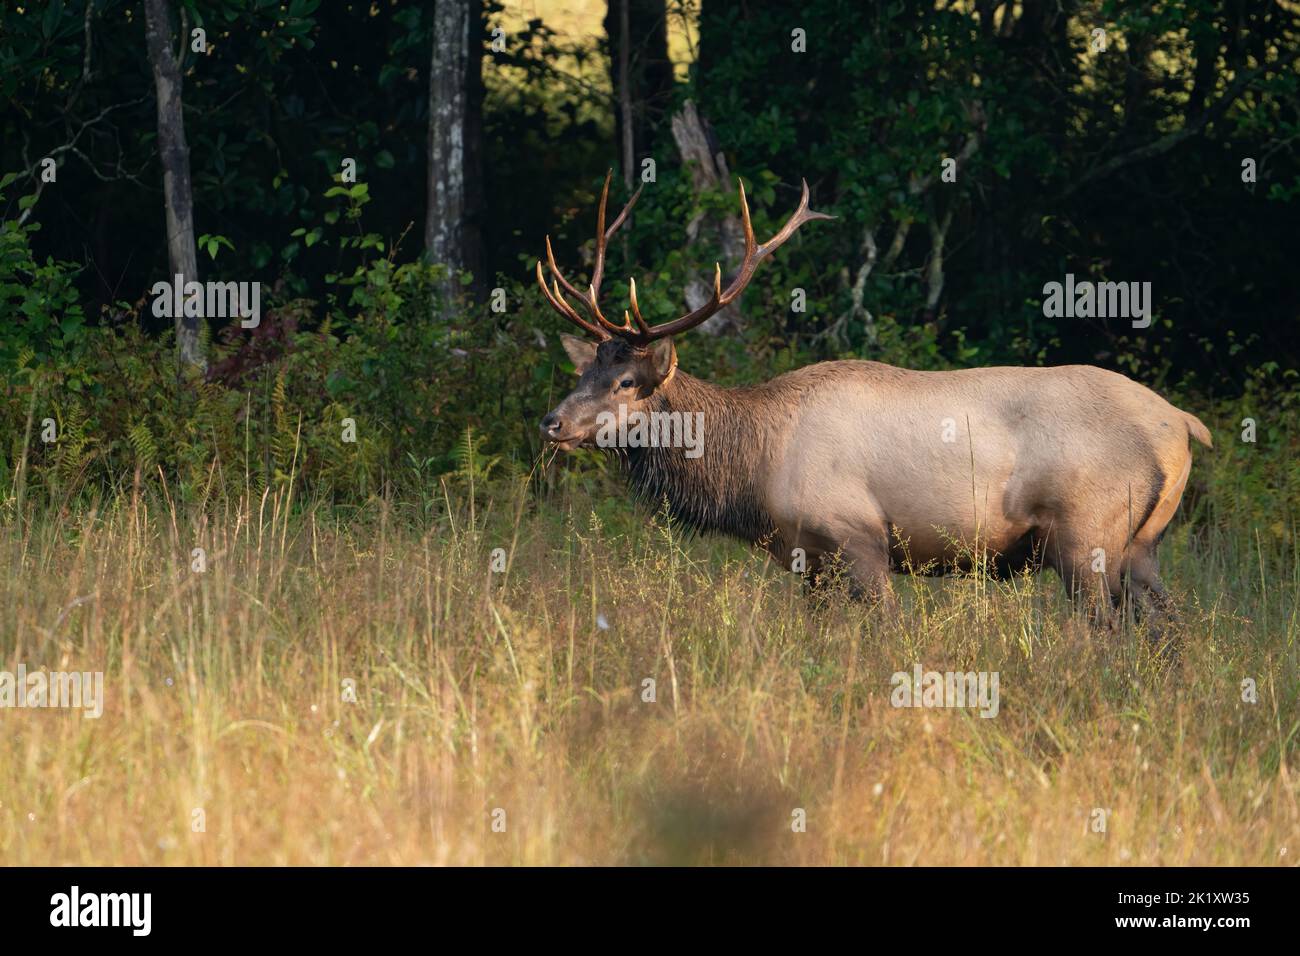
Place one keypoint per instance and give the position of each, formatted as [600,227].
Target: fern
[282,431]
[471,464]
[146,449]
[75,447]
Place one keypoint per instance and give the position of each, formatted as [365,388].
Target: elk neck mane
[715,492]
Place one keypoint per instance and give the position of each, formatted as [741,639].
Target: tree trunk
[452,234]
[702,156]
[625,112]
[178,197]
[641,75]
[471,228]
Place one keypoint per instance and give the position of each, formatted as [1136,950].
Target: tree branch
[1167,142]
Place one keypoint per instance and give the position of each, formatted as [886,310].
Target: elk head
[624,364]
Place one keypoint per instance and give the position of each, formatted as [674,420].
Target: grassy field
[517,697]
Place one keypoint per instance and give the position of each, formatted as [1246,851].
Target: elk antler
[642,334]
[602,326]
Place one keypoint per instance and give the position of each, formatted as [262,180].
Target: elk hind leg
[1094,586]
[1151,601]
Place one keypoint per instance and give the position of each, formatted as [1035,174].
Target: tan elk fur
[1074,467]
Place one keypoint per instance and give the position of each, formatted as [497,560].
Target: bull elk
[1076,468]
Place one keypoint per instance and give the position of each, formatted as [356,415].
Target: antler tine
[602,239]
[598,267]
[558,303]
[744,219]
[555,271]
[636,309]
[594,308]
[614,226]
[754,254]
[801,215]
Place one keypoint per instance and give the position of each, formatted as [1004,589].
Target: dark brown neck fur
[716,491]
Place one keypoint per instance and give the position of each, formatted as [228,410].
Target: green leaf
[50,22]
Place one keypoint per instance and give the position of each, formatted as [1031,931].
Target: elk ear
[581,352]
[663,359]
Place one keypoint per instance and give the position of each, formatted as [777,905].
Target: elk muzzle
[553,430]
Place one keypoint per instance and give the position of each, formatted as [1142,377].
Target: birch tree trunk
[452,235]
[174,153]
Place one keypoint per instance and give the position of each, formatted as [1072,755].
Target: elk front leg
[863,560]
[868,568]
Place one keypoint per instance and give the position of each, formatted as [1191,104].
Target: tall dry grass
[522,691]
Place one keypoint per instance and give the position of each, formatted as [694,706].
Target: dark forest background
[1130,142]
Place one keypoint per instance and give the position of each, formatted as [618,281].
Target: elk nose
[551,425]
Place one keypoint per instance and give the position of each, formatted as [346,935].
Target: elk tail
[1196,428]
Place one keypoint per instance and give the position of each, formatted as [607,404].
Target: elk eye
[626,383]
